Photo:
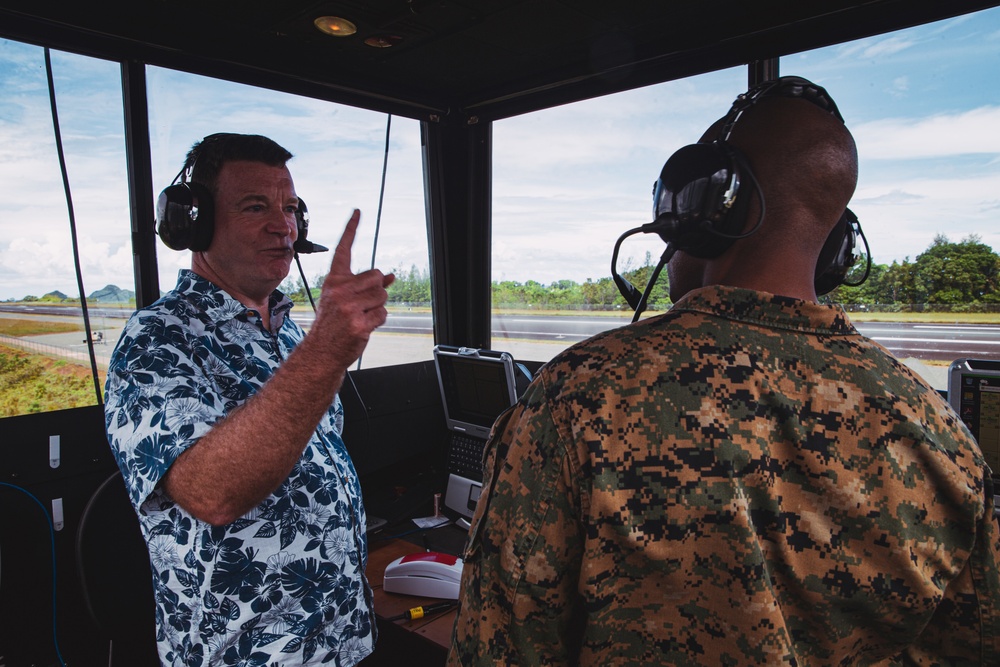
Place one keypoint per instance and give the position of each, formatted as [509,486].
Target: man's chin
[275,264]
[275,272]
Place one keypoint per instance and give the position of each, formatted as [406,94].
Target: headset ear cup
[185,217]
[699,186]
[302,220]
[302,245]
[837,256]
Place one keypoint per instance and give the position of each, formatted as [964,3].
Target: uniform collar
[770,310]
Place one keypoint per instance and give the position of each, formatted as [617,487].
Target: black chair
[114,570]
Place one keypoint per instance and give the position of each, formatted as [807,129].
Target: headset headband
[794,87]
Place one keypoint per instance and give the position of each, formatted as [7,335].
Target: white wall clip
[57,514]
[54,453]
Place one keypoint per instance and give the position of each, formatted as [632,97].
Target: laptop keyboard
[374,523]
[466,456]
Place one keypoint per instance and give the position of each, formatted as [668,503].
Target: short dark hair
[206,157]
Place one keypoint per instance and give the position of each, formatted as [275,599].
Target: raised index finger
[341,264]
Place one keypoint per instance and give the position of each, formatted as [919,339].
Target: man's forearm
[247,455]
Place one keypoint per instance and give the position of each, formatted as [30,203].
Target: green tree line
[963,276]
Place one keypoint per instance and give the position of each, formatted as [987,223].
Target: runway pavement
[386,349]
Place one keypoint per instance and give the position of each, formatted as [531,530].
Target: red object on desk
[431,556]
[425,574]
[437,628]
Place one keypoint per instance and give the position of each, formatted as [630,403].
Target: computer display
[974,393]
[476,386]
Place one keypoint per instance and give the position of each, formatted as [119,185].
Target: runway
[408,336]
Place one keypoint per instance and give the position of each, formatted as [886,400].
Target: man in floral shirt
[225,421]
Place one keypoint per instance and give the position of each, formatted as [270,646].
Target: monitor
[974,393]
[476,386]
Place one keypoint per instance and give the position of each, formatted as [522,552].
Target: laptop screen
[974,393]
[476,386]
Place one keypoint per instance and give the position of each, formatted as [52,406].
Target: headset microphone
[304,247]
[636,299]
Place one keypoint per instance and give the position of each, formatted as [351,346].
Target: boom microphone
[664,223]
[634,298]
[305,247]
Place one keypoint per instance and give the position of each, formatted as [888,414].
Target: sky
[923,105]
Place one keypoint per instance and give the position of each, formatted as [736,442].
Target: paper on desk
[431,521]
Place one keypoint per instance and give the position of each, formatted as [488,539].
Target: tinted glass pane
[44,357]
[339,153]
[566,183]
[924,112]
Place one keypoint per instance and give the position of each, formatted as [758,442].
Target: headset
[185,217]
[838,255]
[702,196]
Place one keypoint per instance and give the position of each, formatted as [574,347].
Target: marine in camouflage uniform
[686,491]
[744,479]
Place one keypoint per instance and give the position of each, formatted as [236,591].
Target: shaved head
[804,159]
[805,162]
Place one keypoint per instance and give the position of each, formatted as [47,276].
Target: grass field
[856,316]
[29,327]
[31,383]
[928,318]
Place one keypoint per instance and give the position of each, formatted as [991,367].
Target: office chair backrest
[114,571]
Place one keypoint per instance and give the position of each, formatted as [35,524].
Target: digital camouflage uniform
[743,480]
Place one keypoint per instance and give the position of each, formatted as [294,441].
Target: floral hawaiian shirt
[282,585]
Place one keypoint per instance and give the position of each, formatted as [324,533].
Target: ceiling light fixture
[383,41]
[336,26]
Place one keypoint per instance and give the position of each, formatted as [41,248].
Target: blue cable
[52,541]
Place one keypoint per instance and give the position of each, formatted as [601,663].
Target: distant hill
[111,294]
[56,296]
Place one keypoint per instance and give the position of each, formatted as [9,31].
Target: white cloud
[900,86]
[38,265]
[941,135]
[892,197]
[567,181]
[902,224]
[886,46]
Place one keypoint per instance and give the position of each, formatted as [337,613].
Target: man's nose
[283,223]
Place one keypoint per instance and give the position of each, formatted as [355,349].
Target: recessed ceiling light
[383,41]
[336,26]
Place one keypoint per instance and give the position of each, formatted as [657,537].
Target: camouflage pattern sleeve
[965,627]
[518,597]
[743,480]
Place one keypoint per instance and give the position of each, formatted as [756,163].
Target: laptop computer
[476,387]
[974,393]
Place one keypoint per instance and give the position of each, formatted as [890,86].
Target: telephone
[426,574]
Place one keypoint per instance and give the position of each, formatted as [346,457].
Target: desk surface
[436,627]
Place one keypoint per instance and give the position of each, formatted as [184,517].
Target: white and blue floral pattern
[283,585]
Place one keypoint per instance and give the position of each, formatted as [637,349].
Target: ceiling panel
[459,58]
